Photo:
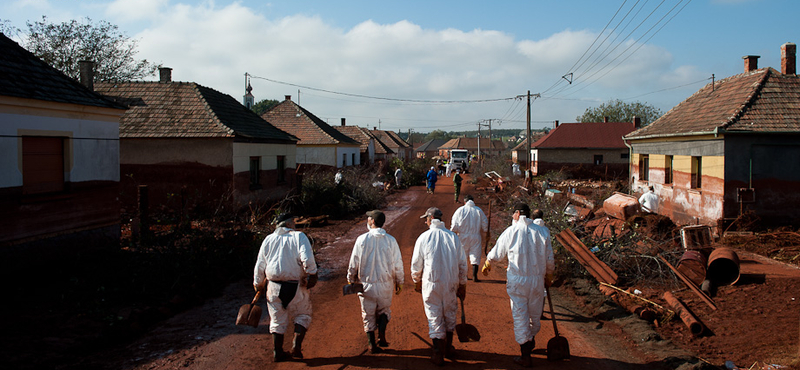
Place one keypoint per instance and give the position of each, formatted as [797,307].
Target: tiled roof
[430,145]
[363,136]
[763,100]
[391,139]
[301,123]
[580,135]
[471,143]
[23,75]
[185,109]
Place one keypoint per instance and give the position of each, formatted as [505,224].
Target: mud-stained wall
[323,154]
[768,164]
[581,162]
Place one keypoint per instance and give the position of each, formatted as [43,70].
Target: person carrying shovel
[470,223]
[530,270]
[439,271]
[286,268]
[377,264]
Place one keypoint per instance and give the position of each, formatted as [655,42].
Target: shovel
[466,332]
[557,347]
[250,314]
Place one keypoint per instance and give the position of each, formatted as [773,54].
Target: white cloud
[132,10]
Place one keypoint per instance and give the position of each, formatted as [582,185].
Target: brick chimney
[556,123]
[342,121]
[164,74]
[637,122]
[605,119]
[287,98]
[788,61]
[750,62]
[87,73]
[374,128]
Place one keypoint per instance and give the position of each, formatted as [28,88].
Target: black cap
[378,216]
[433,212]
[524,209]
[284,217]
[468,197]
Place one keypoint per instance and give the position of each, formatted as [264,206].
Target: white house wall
[323,155]
[352,152]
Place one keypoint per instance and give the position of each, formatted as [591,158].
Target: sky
[444,65]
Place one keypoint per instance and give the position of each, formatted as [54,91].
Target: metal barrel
[723,267]
[693,264]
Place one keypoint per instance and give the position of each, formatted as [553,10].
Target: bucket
[723,267]
[693,264]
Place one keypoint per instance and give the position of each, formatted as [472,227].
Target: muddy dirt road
[205,337]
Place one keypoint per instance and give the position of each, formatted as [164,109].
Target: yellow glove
[398,288]
[486,268]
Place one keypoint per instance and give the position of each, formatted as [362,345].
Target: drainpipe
[630,166]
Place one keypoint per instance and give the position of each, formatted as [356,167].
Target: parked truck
[460,159]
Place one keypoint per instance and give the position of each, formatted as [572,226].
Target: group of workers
[286,268]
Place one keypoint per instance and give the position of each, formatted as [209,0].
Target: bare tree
[619,111]
[62,45]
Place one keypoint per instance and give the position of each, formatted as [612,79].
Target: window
[598,159]
[344,160]
[644,167]
[42,165]
[353,159]
[668,169]
[623,156]
[281,168]
[697,172]
[255,173]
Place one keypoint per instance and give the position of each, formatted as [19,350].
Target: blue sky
[433,65]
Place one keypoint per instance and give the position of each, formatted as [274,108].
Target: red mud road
[206,338]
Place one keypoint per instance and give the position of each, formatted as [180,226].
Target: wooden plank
[586,258]
[690,285]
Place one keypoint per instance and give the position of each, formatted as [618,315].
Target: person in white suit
[470,224]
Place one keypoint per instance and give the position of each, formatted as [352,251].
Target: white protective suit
[449,168]
[375,262]
[398,175]
[470,223]
[439,262]
[649,202]
[286,256]
[530,258]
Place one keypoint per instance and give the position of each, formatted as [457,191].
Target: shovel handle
[257,297]
[463,319]
[552,313]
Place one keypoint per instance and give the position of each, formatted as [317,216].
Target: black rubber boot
[475,273]
[450,351]
[438,352]
[279,355]
[525,350]
[373,347]
[383,321]
[297,341]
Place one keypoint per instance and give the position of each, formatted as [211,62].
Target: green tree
[264,105]
[437,134]
[62,45]
[619,111]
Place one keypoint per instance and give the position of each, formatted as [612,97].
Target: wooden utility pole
[528,134]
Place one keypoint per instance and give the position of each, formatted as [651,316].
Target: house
[429,148]
[400,147]
[584,149]
[729,148]
[487,147]
[195,147]
[320,144]
[518,152]
[59,154]
[371,148]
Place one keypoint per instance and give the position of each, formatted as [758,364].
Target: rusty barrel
[723,267]
[693,264]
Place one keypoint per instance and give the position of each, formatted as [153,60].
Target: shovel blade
[557,349]
[255,316]
[243,316]
[467,333]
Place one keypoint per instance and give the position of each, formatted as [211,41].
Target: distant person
[449,168]
[338,177]
[530,269]
[377,264]
[649,201]
[457,183]
[430,179]
[398,175]
[286,268]
[439,269]
[515,169]
[470,224]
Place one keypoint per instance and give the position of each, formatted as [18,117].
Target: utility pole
[488,123]
[528,128]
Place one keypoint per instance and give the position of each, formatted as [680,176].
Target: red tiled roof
[391,139]
[471,143]
[605,135]
[763,100]
[184,109]
[23,75]
[363,136]
[310,129]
